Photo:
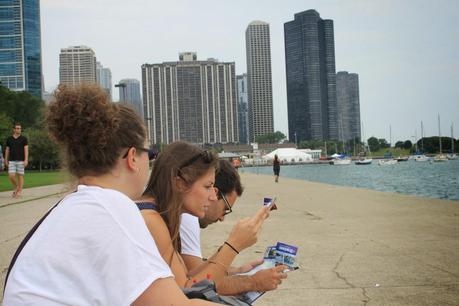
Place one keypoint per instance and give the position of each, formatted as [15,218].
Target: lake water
[434,180]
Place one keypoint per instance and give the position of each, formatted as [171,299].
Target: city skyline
[407,68]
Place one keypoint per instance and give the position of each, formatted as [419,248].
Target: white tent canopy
[289,155]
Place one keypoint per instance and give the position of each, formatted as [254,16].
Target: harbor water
[435,180]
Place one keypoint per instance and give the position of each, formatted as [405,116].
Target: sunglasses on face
[151,153]
[206,156]
[228,209]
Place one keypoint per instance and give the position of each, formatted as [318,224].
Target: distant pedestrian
[276,168]
[2,161]
[16,159]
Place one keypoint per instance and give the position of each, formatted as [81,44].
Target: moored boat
[364,161]
[386,162]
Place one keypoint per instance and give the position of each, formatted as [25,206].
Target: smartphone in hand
[270,202]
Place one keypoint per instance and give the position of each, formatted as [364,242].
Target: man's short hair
[227,179]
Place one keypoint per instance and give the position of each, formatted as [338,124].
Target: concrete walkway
[356,247]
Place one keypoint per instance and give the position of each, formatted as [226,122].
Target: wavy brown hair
[183,161]
[92,130]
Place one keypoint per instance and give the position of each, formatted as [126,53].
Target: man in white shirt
[229,188]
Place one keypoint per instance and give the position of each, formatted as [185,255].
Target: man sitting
[229,188]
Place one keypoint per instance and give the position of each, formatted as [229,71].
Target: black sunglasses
[151,153]
[205,155]
[228,209]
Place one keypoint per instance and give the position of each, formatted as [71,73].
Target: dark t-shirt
[16,146]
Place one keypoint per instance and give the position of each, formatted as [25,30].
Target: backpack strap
[147,205]
[24,242]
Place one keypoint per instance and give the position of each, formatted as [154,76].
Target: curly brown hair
[178,160]
[92,130]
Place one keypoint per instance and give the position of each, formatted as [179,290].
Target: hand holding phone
[270,203]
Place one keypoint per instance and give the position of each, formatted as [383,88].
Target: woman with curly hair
[93,247]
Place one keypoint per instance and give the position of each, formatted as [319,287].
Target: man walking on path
[16,159]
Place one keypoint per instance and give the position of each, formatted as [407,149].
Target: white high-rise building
[190,100]
[104,78]
[260,94]
[77,65]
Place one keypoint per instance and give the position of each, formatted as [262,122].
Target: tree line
[428,145]
[29,111]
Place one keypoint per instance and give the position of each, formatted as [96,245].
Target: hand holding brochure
[280,254]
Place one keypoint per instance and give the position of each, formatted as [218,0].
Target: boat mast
[439,131]
[452,139]
[422,137]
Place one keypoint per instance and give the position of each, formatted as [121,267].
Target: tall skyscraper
[130,93]
[347,92]
[20,46]
[311,77]
[260,94]
[190,100]
[77,65]
[104,78]
[242,104]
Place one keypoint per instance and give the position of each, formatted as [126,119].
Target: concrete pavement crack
[418,260]
[12,238]
[339,275]
[366,298]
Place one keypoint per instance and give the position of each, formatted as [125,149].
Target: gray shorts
[16,167]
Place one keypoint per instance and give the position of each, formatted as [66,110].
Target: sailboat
[453,155]
[363,160]
[420,157]
[340,159]
[439,157]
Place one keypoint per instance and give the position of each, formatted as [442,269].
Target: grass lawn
[35,179]
[395,152]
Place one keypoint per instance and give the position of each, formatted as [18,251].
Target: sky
[405,52]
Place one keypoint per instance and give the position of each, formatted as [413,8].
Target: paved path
[356,247]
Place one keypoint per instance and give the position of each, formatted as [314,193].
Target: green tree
[399,144]
[275,137]
[21,107]
[407,144]
[373,143]
[42,150]
[383,143]
[6,124]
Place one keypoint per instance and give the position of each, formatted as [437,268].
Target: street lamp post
[123,86]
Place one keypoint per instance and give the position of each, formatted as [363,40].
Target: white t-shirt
[190,235]
[92,249]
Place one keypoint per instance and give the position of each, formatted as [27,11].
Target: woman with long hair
[182,181]
[93,247]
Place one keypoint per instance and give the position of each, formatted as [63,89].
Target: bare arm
[7,155]
[264,280]
[161,235]
[26,156]
[193,263]
[165,291]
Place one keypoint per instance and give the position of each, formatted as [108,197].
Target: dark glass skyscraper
[347,92]
[20,45]
[311,78]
